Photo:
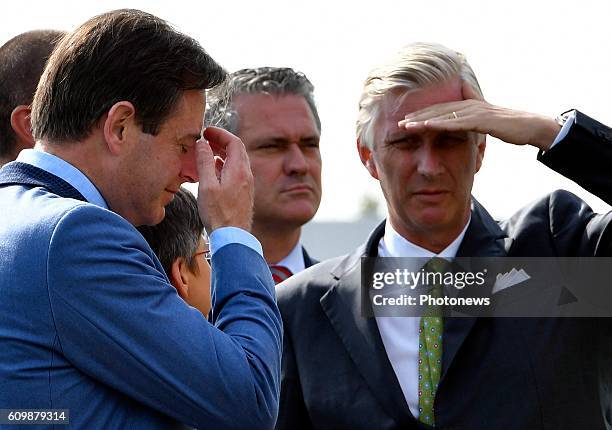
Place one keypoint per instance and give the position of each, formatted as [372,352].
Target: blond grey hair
[414,66]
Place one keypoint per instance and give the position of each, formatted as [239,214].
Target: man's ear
[20,121]
[481,145]
[178,277]
[367,158]
[118,125]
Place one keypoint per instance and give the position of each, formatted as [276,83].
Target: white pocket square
[509,279]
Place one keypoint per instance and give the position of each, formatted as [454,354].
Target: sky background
[539,56]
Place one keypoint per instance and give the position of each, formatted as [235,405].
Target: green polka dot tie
[430,349]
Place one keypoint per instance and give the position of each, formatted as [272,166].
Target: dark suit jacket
[308,260]
[497,373]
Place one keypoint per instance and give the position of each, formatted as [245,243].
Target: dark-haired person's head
[122,99]
[179,244]
[22,60]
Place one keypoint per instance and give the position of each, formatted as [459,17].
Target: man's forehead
[187,117]
[397,104]
[268,105]
[279,115]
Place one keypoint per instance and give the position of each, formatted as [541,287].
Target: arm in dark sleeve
[584,155]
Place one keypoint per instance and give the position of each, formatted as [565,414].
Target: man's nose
[295,162]
[189,167]
[428,159]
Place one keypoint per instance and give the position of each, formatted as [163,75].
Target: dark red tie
[279,273]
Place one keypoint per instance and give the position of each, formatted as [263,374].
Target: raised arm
[120,322]
[476,115]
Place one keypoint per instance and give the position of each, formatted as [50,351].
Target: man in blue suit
[88,320]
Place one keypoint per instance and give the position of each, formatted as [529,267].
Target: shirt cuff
[565,129]
[227,235]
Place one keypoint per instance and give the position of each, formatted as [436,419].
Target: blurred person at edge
[22,61]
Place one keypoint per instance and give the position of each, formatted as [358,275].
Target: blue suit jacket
[89,322]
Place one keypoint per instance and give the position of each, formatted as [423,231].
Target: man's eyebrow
[310,138]
[454,132]
[398,135]
[285,141]
[458,134]
[190,136]
[282,141]
[277,140]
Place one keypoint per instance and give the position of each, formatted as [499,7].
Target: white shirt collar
[394,245]
[64,170]
[294,261]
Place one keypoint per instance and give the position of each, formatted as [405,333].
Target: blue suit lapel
[17,173]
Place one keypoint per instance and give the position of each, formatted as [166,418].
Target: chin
[162,215]
[434,218]
[291,217]
[304,212]
[155,217]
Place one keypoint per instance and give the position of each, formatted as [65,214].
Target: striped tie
[279,273]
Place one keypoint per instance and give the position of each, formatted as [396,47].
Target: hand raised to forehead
[476,115]
[225,191]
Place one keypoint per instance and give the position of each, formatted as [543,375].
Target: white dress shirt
[294,261]
[400,335]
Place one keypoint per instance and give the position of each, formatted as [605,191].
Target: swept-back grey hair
[414,66]
[278,81]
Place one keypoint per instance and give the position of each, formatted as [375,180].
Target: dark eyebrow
[457,133]
[311,138]
[190,137]
[278,141]
[283,141]
[397,136]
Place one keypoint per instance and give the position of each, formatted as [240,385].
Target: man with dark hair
[179,243]
[273,112]
[88,320]
[22,60]
[421,133]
